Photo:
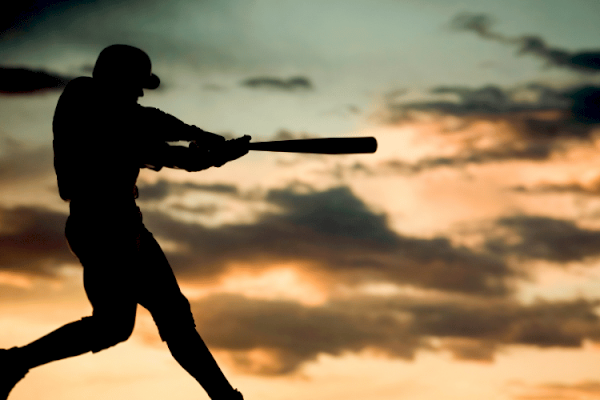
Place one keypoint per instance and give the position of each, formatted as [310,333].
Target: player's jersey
[100,144]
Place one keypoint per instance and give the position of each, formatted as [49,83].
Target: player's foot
[11,371]
[235,395]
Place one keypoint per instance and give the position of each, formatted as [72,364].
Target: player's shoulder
[80,84]
[77,95]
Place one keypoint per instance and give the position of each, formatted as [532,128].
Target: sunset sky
[461,261]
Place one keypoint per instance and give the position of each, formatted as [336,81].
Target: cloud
[529,122]
[292,161]
[284,134]
[292,334]
[472,327]
[163,188]
[491,99]
[24,80]
[585,106]
[587,61]
[19,163]
[578,107]
[478,23]
[591,188]
[542,237]
[335,232]
[508,151]
[208,209]
[33,241]
[542,324]
[330,231]
[291,84]
[559,391]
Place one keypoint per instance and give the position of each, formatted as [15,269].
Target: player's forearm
[190,159]
[205,138]
[168,128]
[196,158]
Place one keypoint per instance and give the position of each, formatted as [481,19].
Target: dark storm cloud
[32,240]
[294,83]
[336,232]
[24,80]
[583,61]
[472,329]
[543,238]
[19,163]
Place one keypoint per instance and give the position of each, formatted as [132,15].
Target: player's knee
[174,319]
[118,334]
[107,333]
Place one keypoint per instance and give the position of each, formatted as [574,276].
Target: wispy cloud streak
[587,61]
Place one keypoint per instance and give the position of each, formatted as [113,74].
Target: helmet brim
[152,82]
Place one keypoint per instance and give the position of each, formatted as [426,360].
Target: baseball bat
[351,145]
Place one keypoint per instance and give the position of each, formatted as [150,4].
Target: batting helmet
[123,64]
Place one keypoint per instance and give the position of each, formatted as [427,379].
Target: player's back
[94,145]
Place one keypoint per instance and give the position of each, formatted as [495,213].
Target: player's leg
[94,333]
[11,371]
[106,253]
[100,331]
[173,316]
[190,351]
[112,322]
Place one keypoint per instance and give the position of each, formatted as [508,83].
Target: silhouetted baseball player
[102,137]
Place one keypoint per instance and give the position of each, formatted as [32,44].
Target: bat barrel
[353,145]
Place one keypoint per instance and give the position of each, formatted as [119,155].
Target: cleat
[235,395]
